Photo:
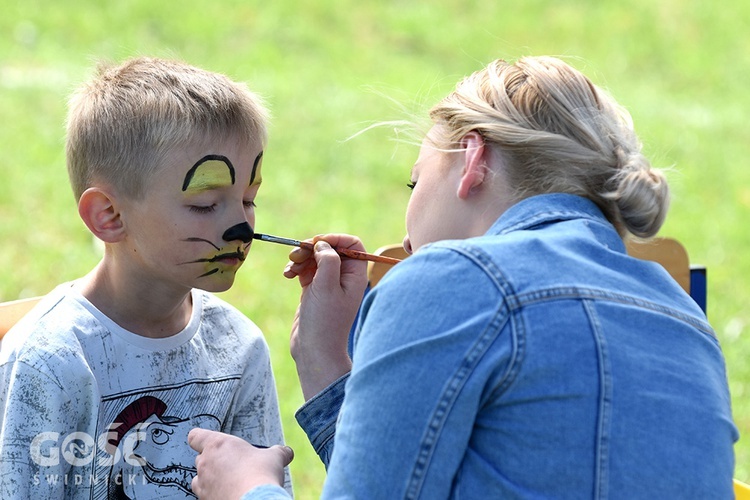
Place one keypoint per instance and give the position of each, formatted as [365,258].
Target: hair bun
[642,196]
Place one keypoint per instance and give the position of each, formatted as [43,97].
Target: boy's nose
[242,231]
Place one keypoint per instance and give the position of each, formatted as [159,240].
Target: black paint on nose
[243,232]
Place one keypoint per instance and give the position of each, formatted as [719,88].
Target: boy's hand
[332,290]
[228,466]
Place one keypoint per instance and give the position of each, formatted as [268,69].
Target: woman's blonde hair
[559,133]
[125,122]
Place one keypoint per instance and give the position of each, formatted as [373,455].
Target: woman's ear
[475,164]
[98,210]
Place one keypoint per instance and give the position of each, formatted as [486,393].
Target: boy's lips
[225,258]
[228,258]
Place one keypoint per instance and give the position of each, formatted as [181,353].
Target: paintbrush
[352,254]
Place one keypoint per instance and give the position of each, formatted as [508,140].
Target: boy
[101,382]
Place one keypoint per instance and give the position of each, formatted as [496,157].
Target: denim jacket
[536,361]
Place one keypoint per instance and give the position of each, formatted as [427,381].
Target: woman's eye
[249,204]
[411,184]
[202,209]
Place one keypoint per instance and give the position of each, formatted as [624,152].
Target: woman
[520,352]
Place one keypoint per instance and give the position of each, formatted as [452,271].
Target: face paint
[210,172]
[256,170]
[220,262]
[242,231]
[213,172]
[176,232]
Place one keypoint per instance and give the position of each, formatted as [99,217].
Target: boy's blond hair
[125,122]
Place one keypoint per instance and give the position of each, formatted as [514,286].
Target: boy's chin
[216,286]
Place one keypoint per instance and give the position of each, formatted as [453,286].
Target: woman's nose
[407,245]
[242,232]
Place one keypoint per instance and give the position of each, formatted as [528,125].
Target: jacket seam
[583,293]
[601,479]
[473,356]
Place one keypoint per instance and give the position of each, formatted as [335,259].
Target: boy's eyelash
[202,210]
[411,184]
[210,208]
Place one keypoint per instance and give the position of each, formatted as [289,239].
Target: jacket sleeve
[266,492]
[318,416]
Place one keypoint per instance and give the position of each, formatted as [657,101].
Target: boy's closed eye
[202,203]
[206,208]
[203,209]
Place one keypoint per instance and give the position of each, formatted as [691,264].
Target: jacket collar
[546,208]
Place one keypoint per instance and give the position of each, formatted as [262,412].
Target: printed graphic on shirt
[144,453]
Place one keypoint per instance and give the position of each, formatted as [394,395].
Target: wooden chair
[376,270]
[741,490]
[674,258]
[11,312]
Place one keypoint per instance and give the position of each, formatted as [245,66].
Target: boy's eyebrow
[211,179]
[256,164]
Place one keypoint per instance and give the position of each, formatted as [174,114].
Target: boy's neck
[137,305]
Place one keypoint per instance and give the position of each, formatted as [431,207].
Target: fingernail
[322,245]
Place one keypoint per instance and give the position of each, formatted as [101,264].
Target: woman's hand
[228,466]
[332,290]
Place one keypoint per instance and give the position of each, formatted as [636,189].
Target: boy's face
[195,224]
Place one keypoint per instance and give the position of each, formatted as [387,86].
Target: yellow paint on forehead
[211,174]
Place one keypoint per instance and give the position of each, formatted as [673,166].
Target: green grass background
[328,69]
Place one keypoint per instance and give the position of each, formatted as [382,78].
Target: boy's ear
[475,165]
[98,209]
